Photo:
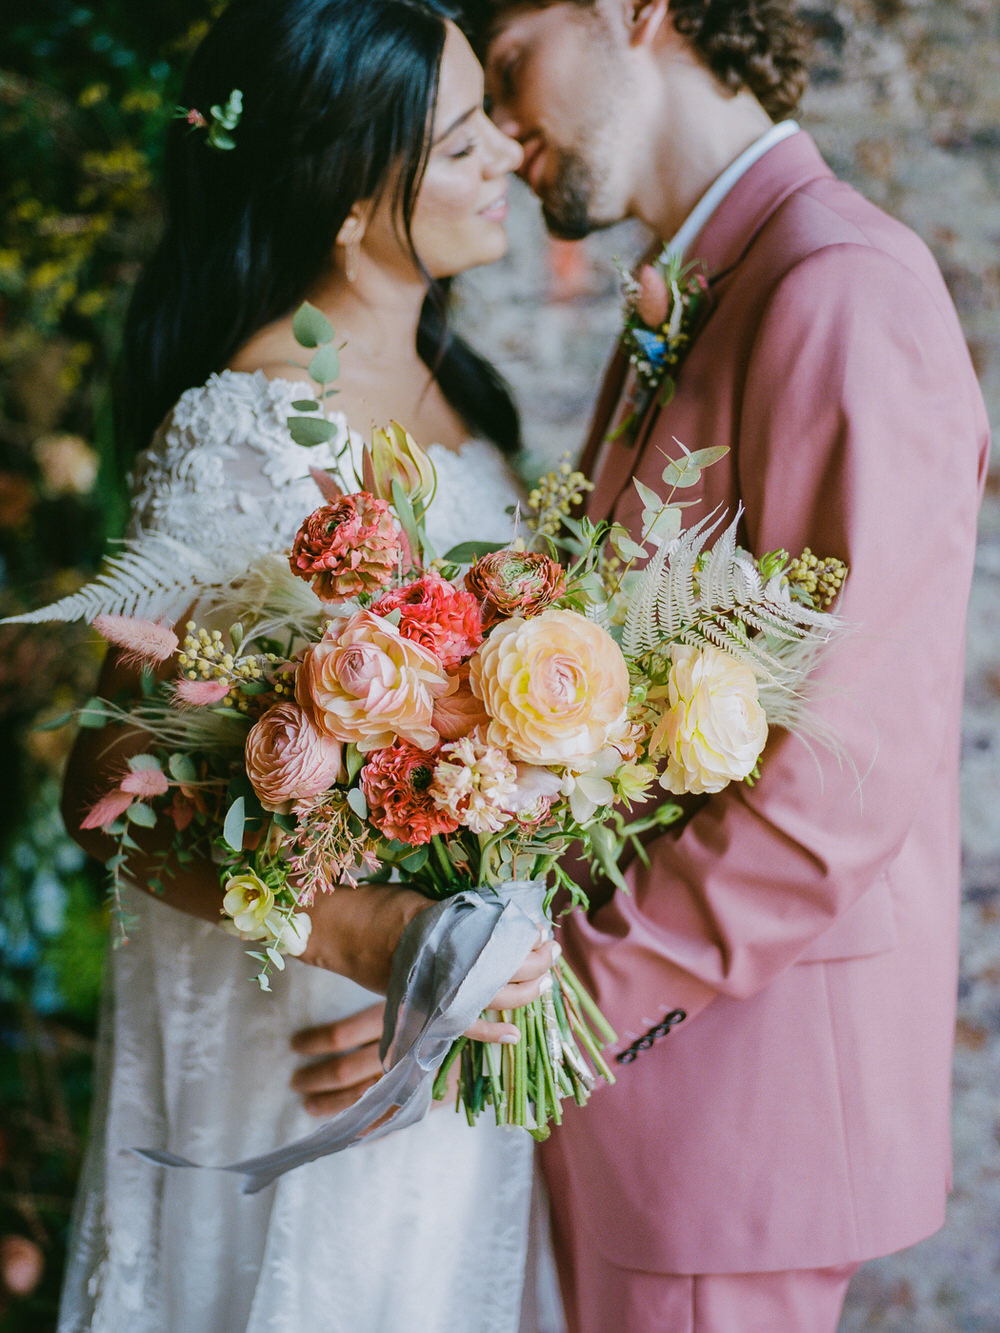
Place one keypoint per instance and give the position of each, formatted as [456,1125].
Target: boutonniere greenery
[663,301]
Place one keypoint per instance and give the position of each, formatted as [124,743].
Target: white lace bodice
[222,472]
[424,1230]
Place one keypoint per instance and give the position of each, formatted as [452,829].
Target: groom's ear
[646,18]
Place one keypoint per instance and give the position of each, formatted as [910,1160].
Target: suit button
[626,1057]
[675,1016]
[644,1043]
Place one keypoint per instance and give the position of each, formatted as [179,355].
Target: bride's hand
[348,1049]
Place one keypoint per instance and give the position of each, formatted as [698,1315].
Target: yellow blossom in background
[92,95]
[67,463]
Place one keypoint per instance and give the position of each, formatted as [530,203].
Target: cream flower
[247,902]
[475,783]
[288,934]
[363,682]
[713,728]
[555,687]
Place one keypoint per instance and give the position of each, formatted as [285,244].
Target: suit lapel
[720,246]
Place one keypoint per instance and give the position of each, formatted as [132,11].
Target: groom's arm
[858,437]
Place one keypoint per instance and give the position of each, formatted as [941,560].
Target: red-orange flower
[396,782]
[347,547]
[437,615]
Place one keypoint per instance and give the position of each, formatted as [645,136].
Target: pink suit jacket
[797,1116]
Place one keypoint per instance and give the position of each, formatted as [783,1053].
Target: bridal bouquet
[362,706]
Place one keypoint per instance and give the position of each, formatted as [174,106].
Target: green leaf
[306,405]
[92,714]
[236,634]
[145,763]
[310,326]
[415,861]
[465,552]
[56,722]
[310,431]
[325,365]
[607,849]
[625,546]
[232,829]
[356,800]
[275,957]
[181,768]
[686,471]
[142,814]
[354,760]
[404,512]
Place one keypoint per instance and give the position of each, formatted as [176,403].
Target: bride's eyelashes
[466,150]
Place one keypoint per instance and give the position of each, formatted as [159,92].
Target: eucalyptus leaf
[310,431]
[232,829]
[142,814]
[465,552]
[325,365]
[145,763]
[275,958]
[55,723]
[310,326]
[416,861]
[92,714]
[181,768]
[356,800]
[306,405]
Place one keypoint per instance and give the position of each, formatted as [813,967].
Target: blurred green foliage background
[85,96]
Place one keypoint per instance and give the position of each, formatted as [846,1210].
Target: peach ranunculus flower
[555,687]
[363,682]
[288,759]
[713,728]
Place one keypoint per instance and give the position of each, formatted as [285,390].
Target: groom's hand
[348,1065]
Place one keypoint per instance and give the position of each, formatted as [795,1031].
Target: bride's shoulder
[226,446]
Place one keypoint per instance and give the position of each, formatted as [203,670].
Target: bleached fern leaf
[153,577]
[268,599]
[598,613]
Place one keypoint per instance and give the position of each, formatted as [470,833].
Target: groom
[783,973]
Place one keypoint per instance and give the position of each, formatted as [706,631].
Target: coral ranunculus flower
[347,547]
[288,759]
[555,687]
[363,682]
[713,728]
[434,613]
[397,782]
[515,583]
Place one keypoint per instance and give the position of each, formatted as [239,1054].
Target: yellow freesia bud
[394,455]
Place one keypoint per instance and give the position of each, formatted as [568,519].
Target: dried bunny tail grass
[141,641]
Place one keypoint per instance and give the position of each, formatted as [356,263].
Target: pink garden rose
[434,613]
[364,682]
[346,547]
[287,759]
[396,782]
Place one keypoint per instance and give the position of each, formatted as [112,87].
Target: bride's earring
[352,255]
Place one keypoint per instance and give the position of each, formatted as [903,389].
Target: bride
[363,175]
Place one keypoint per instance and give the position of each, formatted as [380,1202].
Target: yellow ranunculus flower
[713,728]
[555,687]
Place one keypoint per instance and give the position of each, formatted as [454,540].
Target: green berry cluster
[820,578]
[554,496]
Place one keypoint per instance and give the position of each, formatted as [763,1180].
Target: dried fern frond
[152,577]
[687,594]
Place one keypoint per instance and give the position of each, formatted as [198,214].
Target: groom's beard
[567,201]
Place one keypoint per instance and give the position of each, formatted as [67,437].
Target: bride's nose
[506,153]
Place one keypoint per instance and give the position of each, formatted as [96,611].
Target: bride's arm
[354,932]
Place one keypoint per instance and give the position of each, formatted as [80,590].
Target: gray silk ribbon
[451,961]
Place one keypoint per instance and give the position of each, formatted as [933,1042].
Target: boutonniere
[662,303]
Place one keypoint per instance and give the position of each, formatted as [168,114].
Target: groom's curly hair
[756,44]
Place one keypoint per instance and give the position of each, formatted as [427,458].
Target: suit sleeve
[858,438]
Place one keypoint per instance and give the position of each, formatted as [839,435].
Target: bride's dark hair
[337,98]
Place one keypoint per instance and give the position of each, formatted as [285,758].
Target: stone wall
[905,104]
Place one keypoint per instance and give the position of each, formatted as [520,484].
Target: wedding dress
[423,1231]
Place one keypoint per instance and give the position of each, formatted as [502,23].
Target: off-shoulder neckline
[262,380]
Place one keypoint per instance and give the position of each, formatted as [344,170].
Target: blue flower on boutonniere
[662,304]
